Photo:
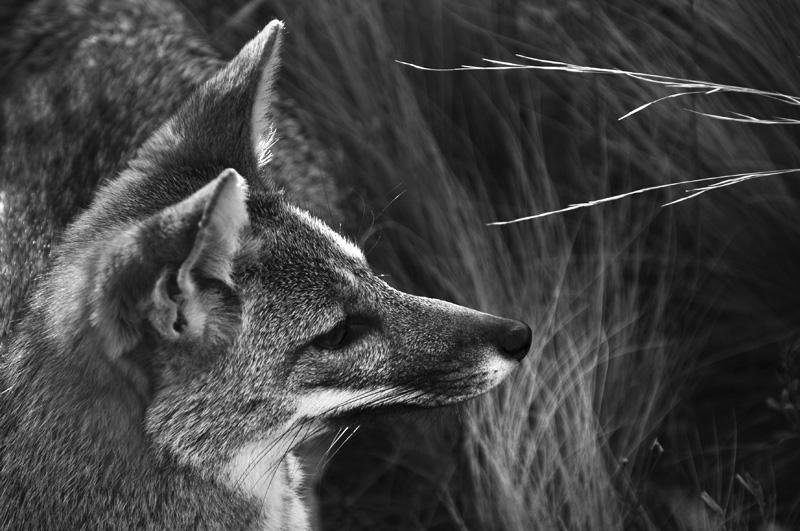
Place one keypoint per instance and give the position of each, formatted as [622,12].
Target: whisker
[333,449]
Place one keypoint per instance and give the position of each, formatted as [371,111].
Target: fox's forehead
[287,237]
[343,244]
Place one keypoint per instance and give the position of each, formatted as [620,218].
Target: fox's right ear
[153,270]
[177,308]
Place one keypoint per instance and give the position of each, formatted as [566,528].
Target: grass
[661,391]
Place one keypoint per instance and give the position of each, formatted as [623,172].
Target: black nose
[517,341]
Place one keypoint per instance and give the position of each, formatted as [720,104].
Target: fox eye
[342,334]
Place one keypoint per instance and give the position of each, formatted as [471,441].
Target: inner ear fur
[264,51]
[238,94]
[152,270]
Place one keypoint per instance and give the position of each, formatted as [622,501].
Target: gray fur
[178,330]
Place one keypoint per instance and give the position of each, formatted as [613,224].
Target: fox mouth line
[378,413]
[418,400]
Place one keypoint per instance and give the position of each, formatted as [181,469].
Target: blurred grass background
[662,388]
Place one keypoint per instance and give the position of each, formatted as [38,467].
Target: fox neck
[273,478]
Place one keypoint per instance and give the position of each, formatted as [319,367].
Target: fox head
[238,317]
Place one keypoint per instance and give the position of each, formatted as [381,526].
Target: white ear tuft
[269,43]
[217,239]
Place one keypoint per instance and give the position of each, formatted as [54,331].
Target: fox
[173,326]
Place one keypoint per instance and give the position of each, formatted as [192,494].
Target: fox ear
[251,77]
[177,307]
[264,49]
[152,270]
[227,119]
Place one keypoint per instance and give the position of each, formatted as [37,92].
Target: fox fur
[172,326]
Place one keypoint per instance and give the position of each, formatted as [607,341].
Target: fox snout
[514,339]
[466,329]
[449,353]
[507,338]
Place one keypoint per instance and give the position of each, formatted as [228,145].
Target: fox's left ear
[263,50]
[227,119]
[249,79]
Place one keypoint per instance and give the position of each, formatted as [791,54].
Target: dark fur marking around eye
[344,333]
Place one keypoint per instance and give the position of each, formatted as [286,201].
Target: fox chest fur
[172,327]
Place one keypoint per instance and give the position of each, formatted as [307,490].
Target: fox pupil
[334,339]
